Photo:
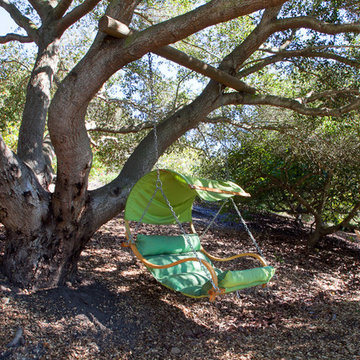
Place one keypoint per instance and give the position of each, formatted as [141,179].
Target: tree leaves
[312,169]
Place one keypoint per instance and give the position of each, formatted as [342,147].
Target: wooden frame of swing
[214,291]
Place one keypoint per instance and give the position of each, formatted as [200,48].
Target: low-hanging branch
[287,103]
[246,125]
[75,14]
[20,19]
[311,53]
[117,29]
[15,37]
[311,97]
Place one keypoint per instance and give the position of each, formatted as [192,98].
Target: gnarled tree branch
[346,220]
[41,7]
[15,37]
[75,14]
[20,19]
[257,37]
[282,102]
[311,97]
[124,130]
[308,22]
[311,53]
[245,125]
[117,29]
[61,8]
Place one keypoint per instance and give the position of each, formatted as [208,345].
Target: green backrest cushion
[162,244]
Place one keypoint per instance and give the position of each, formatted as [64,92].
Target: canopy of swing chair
[180,190]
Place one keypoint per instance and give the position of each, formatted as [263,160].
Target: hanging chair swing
[179,262]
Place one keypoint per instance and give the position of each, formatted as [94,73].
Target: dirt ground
[118,311]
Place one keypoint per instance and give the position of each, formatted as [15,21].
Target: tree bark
[41,250]
[30,143]
[317,234]
[45,259]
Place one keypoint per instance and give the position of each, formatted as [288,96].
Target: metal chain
[139,222]
[187,237]
[158,181]
[247,229]
[213,219]
[152,109]
[159,184]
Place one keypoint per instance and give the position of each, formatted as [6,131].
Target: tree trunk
[30,143]
[48,258]
[314,238]
[319,232]
[42,250]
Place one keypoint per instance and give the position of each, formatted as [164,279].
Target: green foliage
[100,173]
[15,67]
[135,97]
[181,158]
[311,169]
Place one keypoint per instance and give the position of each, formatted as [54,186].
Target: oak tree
[47,231]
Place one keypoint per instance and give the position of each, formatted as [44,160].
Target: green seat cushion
[188,283]
[192,278]
[162,244]
[185,267]
[187,277]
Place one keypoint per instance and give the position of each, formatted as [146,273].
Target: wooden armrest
[155,266]
[214,258]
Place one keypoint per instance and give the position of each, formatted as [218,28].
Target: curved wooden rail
[155,266]
[214,258]
[213,292]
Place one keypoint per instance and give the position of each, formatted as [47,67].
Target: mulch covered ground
[311,310]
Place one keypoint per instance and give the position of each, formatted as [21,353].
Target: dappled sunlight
[105,269]
[303,312]
[123,289]
[329,283]
[130,273]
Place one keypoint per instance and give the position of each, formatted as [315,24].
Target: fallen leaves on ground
[118,311]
